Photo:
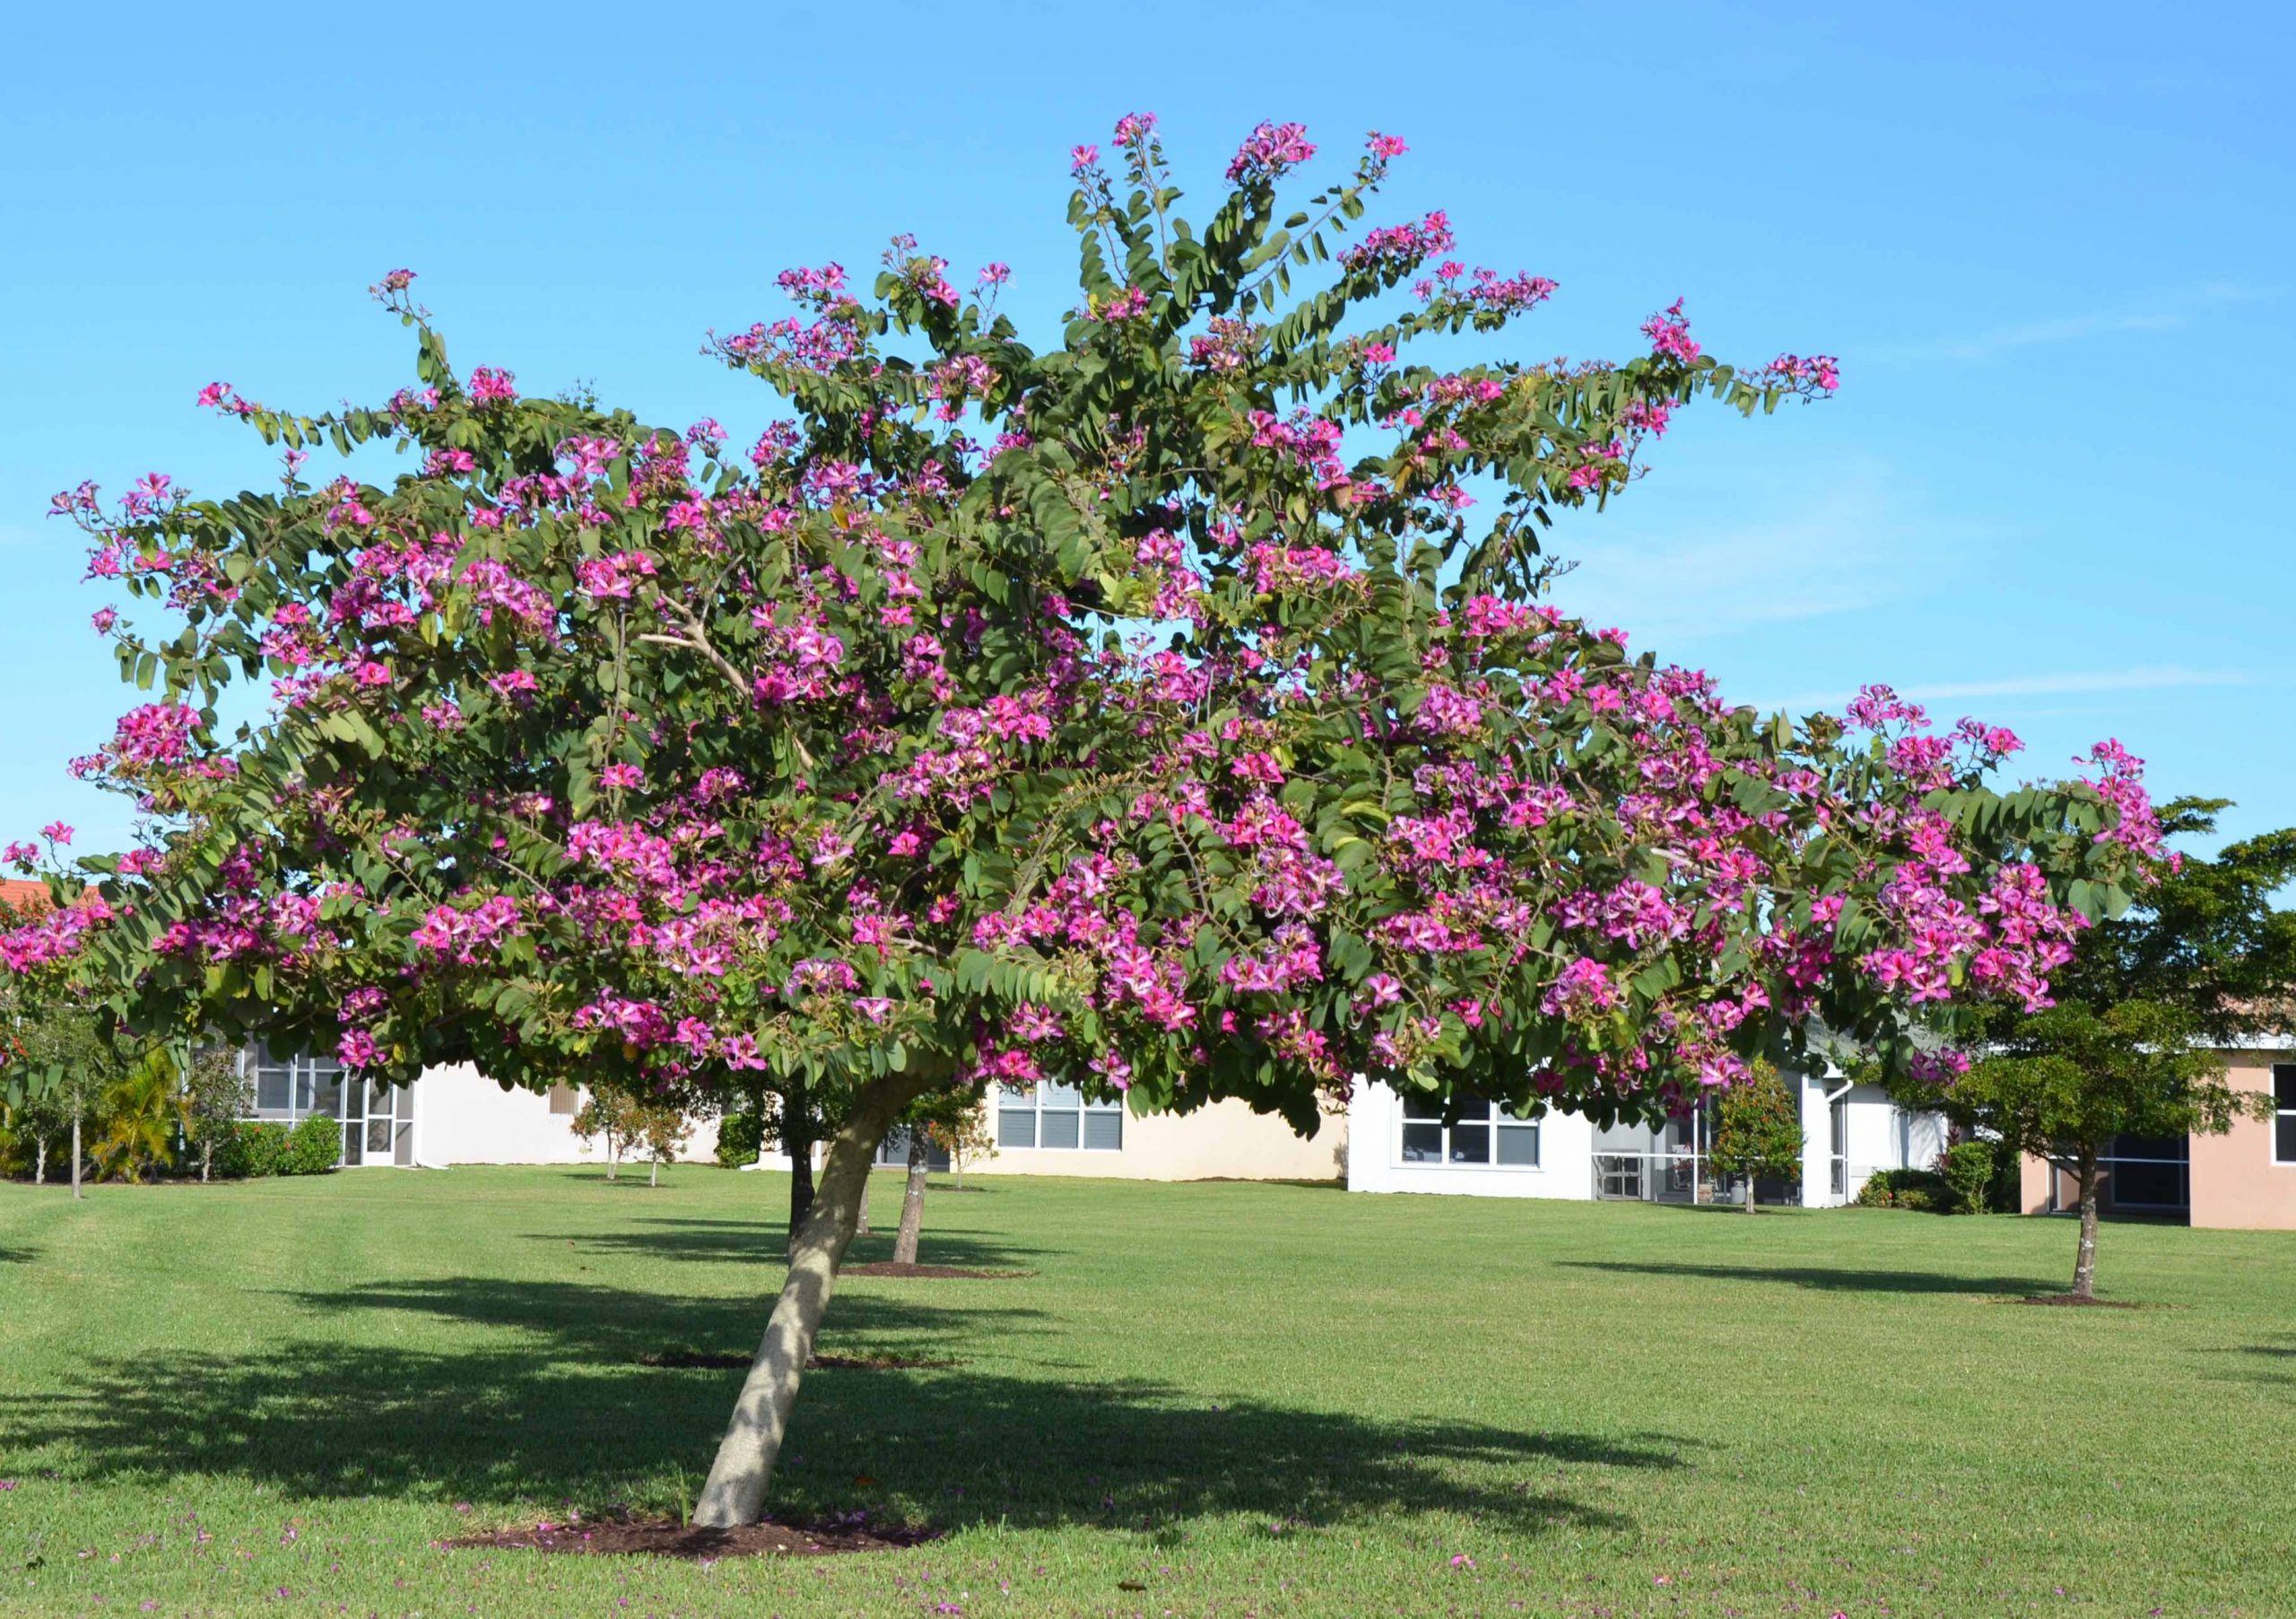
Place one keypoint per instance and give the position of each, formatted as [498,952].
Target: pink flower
[56,832]
[491,386]
[1269,152]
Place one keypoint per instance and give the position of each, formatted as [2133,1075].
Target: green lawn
[1246,1399]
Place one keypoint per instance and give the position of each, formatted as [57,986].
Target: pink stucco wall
[2235,1183]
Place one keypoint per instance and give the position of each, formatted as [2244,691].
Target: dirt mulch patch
[735,1360]
[2071,1301]
[666,1537]
[886,1267]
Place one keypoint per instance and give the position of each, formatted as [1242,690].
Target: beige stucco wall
[2033,1187]
[2235,1184]
[1225,1140]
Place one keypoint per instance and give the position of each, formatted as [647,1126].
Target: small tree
[663,1126]
[615,1116]
[219,1094]
[658,1123]
[965,1135]
[144,1112]
[2204,958]
[57,1066]
[1758,1130]
[2060,1084]
[933,1120]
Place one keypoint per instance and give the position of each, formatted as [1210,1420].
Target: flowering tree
[1169,707]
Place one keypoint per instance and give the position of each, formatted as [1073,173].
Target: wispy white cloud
[2152,677]
[2172,312]
[1817,550]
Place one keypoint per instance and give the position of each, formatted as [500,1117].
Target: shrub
[257,1150]
[1968,1169]
[251,1150]
[1924,1189]
[739,1137]
[313,1147]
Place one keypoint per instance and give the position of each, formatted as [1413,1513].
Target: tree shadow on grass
[2284,1350]
[570,1417]
[745,1242]
[1823,1277]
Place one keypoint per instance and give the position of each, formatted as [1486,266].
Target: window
[1052,1115]
[563,1099]
[2149,1172]
[2284,1122]
[378,1118]
[1467,1130]
[893,1150]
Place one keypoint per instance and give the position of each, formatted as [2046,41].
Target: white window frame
[1017,1101]
[1495,1119]
[307,1072]
[2280,1113]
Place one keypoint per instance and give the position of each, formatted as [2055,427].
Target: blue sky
[2051,244]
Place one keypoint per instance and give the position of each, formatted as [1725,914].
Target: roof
[20,896]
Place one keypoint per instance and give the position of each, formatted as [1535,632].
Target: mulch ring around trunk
[625,1535]
[887,1267]
[2075,1301]
[739,1359]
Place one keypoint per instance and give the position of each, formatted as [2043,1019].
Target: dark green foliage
[1923,1190]
[1968,1167]
[253,1151]
[313,1147]
[739,1137]
[1758,1129]
[2207,937]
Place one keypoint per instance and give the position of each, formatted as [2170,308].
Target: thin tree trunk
[206,1154]
[40,1160]
[2084,1263]
[1750,1194]
[654,1175]
[76,1192]
[912,1202]
[797,1141]
[735,1491]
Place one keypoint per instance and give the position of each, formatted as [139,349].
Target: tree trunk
[40,1159]
[613,1157]
[654,1175]
[797,1141]
[206,1154]
[1750,1194]
[2084,1263]
[735,1491]
[912,1202]
[76,1192]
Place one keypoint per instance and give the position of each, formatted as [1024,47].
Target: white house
[455,1115]
[1411,1143]
[448,1116]
[1382,1142]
